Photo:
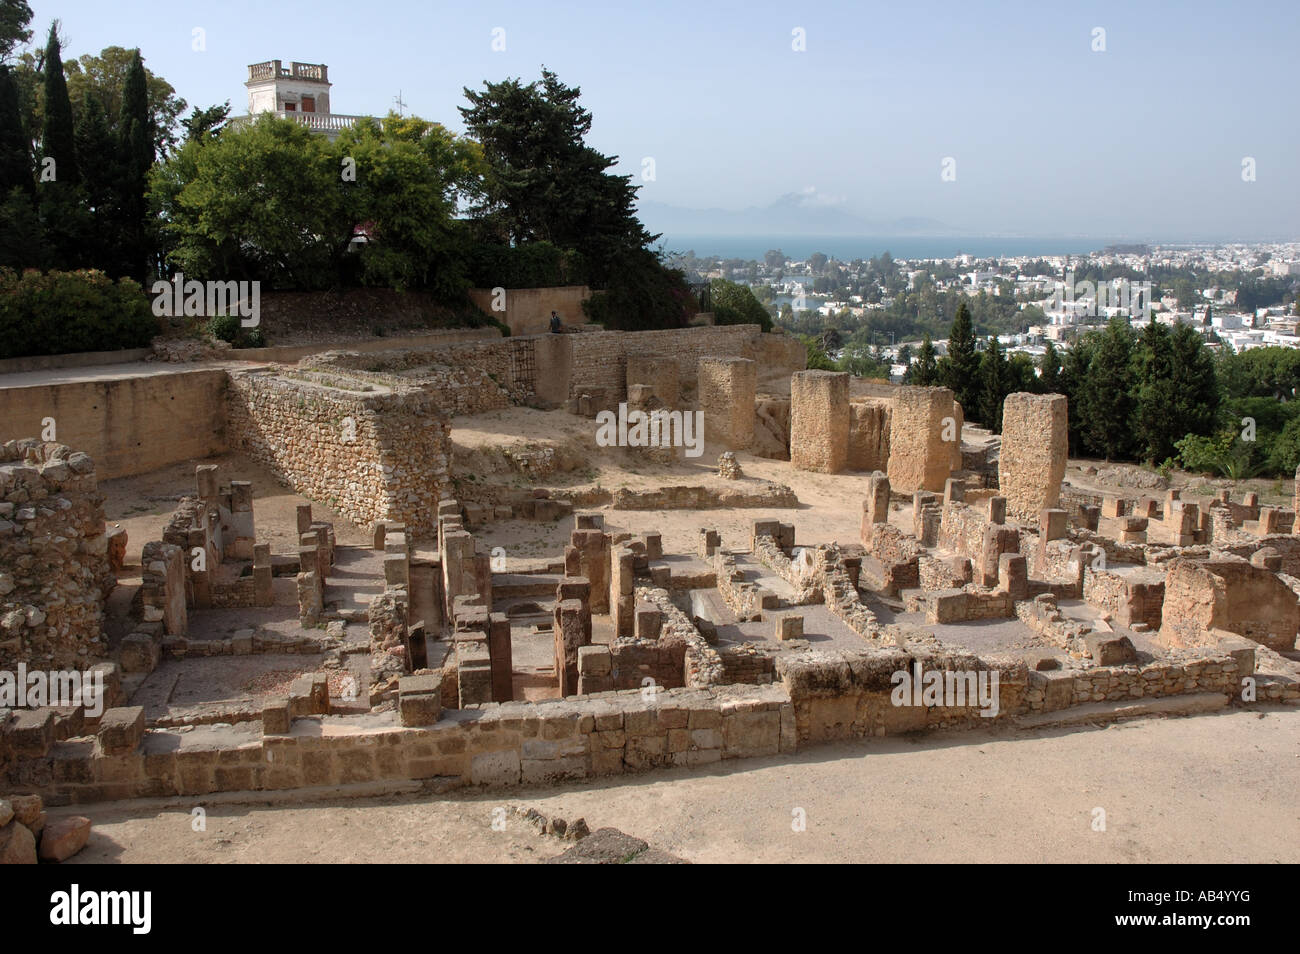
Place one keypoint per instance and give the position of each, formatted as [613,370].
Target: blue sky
[1142,141]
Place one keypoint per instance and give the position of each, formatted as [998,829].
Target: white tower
[297,88]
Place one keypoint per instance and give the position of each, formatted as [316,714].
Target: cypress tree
[58,138]
[1050,381]
[926,368]
[136,149]
[15,155]
[1108,393]
[960,369]
[1153,411]
[97,152]
[993,386]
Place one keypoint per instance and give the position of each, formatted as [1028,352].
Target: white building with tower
[299,91]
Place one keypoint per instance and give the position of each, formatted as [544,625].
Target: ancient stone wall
[495,744]
[380,455]
[54,570]
[869,435]
[457,390]
[528,310]
[600,358]
[819,421]
[1228,594]
[1031,464]
[128,425]
[922,429]
[661,375]
[484,367]
[726,396]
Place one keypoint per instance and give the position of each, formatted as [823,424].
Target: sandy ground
[1217,788]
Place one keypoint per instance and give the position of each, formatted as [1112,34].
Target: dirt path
[1207,789]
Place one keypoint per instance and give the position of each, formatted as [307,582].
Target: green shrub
[224,328]
[63,312]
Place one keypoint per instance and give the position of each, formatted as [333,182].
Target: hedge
[63,312]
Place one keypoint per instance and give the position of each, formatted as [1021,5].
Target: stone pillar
[577,588]
[241,519]
[457,568]
[1035,442]
[621,591]
[997,541]
[1295,502]
[473,669]
[954,491]
[569,638]
[725,394]
[502,658]
[819,421]
[263,575]
[922,430]
[654,545]
[205,476]
[927,518]
[875,508]
[1013,576]
[959,418]
[592,547]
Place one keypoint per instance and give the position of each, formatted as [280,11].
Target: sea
[845,248]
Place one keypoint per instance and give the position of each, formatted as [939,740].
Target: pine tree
[136,149]
[58,138]
[960,368]
[993,386]
[1050,381]
[926,369]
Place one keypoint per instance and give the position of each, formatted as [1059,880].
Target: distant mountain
[797,213]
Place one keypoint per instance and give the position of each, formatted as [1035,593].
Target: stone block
[120,730]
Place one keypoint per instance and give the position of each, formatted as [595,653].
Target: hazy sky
[1143,140]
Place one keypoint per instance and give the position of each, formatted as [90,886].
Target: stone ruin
[424,655]
[55,571]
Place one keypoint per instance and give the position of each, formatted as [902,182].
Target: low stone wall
[1128,601]
[54,568]
[493,744]
[846,695]
[746,663]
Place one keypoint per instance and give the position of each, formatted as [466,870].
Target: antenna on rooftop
[399,102]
